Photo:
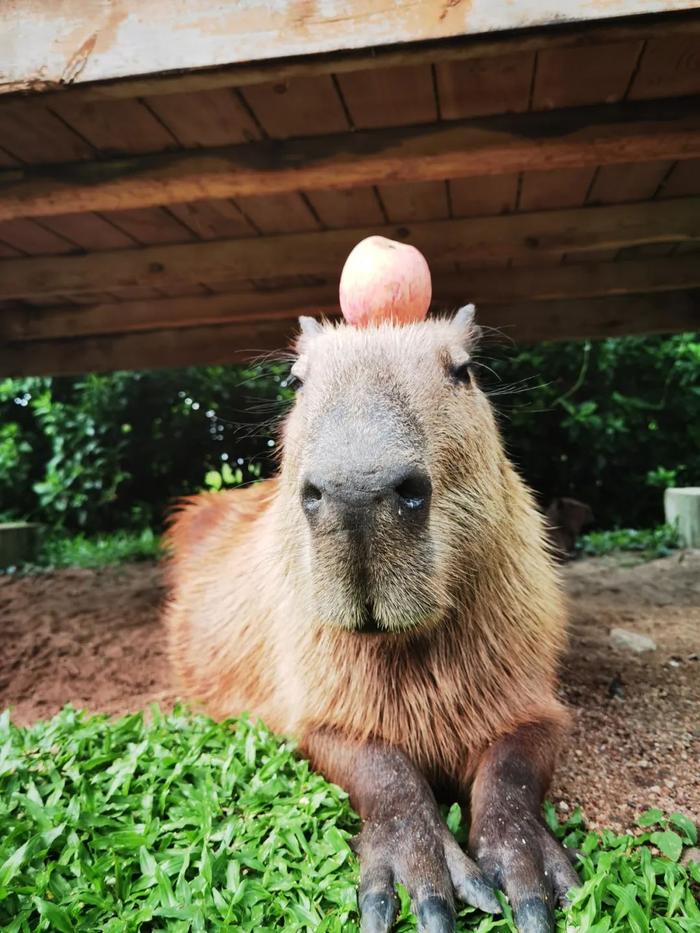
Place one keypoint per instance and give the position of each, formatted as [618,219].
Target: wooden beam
[459,48]
[56,44]
[483,286]
[588,136]
[477,241]
[235,343]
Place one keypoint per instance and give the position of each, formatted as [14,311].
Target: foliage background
[610,422]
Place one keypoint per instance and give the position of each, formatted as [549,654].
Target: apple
[384,280]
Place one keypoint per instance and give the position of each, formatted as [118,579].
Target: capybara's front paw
[419,852]
[517,854]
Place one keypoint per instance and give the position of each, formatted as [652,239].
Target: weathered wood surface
[501,145]
[483,286]
[70,43]
[231,343]
[477,241]
[463,47]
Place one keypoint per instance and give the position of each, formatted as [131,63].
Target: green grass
[178,823]
[646,542]
[57,549]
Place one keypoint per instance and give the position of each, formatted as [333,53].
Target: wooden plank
[425,200]
[283,213]
[298,107]
[207,118]
[27,236]
[477,240]
[536,259]
[389,96]
[574,77]
[591,255]
[115,126]
[588,280]
[228,343]
[31,133]
[485,86]
[89,231]
[459,48]
[231,343]
[213,220]
[482,197]
[645,131]
[615,184]
[668,67]
[684,179]
[646,249]
[692,246]
[112,317]
[565,187]
[52,45]
[352,207]
[7,251]
[6,160]
[596,318]
[90,298]
[150,225]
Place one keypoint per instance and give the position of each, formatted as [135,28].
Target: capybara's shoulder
[201,521]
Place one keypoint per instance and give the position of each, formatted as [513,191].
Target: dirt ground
[93,638]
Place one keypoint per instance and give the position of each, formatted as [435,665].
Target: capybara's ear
[310,327]
[464,324]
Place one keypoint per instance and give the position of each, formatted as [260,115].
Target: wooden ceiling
[551,176]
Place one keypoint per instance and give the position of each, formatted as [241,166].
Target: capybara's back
[215,616]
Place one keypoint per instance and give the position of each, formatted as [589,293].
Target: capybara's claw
[435,915]
[534,916]
[378,910]
[420,853]
[530,865]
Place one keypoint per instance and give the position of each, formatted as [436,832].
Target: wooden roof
[552,176]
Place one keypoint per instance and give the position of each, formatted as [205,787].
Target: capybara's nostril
[414,490]
[310,498]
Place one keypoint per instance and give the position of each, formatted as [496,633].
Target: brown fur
[262,617]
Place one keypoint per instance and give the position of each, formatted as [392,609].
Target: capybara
[388,599]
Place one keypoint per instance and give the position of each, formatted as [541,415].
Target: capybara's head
[393,470]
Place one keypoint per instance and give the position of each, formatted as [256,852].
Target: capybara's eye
[462,373]
[292,382]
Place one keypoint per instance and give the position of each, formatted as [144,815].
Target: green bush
[648,542]
[610,422]
[106,452]
[179,823]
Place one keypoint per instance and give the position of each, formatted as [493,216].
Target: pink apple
[384,280]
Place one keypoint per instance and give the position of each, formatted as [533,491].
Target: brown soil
[93,638]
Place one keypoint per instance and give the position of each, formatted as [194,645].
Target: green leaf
[57,917]
[669,843]
[454,818]
[649,818]
[213,479]
[12,864]
[686,825]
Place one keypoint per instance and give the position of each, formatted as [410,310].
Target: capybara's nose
[405,490]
